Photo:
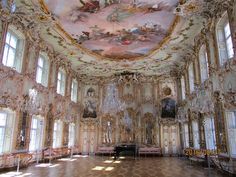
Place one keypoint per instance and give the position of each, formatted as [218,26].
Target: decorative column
[190,129]
[201,131]
[49,127]
[220,124]
[65,134]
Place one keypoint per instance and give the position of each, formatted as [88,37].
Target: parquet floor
[96,166]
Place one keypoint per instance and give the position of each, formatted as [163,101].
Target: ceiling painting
[153,42]
[116,29]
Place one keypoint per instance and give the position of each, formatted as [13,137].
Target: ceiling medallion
[116,29]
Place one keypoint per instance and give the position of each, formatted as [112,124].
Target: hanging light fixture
[111,103]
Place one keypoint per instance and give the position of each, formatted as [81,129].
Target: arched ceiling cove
[106,37]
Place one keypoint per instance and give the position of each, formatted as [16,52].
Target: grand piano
[126,147]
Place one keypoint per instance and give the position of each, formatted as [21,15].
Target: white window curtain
[71,135]
[191,77]
[203,60]
[61,82]
[36,133]
[183,88]
[210,133]
[57,134]
[42,70]
[13,50]
[7,119]
[74,90]
[195,135]
[231,127]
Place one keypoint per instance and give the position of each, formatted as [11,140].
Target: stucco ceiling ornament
[189,8]
[128,77]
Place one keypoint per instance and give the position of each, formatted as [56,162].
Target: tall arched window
[7,122]
[224,39]
[191,77]
[203,60]
[196,142]
[42,69]
[57,134]
[61,82]
[183,90]
[13,49]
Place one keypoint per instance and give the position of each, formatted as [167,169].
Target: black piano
[125,147]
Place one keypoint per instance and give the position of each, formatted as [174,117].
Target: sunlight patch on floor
[108,161]
[98,168]
[12,174]
[67,159]
[79,156]
[109,168]
[45,165]
[117,161]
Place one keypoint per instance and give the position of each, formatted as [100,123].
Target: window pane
[195,135]
[13,41]
[59,75]
[231,124]
[227,30]
[8,37]
[39,75]
[6,133]
[191,78]
[58,86]
[11,57]
[32,146]
[2,134]
[5,55]
[34,123]
[210,133]
[183,88]
[230,49]
[40,62]
[3,119]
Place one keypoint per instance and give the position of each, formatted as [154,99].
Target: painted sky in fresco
[118,29]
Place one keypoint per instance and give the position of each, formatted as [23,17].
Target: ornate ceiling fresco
[116,29]
[106,37]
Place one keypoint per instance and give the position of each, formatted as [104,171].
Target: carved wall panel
[108,130]
[149,129]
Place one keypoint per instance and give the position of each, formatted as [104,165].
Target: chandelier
[111,103]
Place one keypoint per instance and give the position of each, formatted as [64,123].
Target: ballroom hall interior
[117,88]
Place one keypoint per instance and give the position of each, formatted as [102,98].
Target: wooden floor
[95,166]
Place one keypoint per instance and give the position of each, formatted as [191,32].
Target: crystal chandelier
[111,103]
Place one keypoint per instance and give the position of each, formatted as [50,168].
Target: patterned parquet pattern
[84,166]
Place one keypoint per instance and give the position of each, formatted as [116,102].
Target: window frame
[71,135]
[57,134]
[223,50]
[203,64]
[7,142]
[61,82]
[186,135]
[74,90]
[228,132]
[44,70]
[183,87]
[196,135]
[38,142]
[191,78]
[211,134]
[18,50]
